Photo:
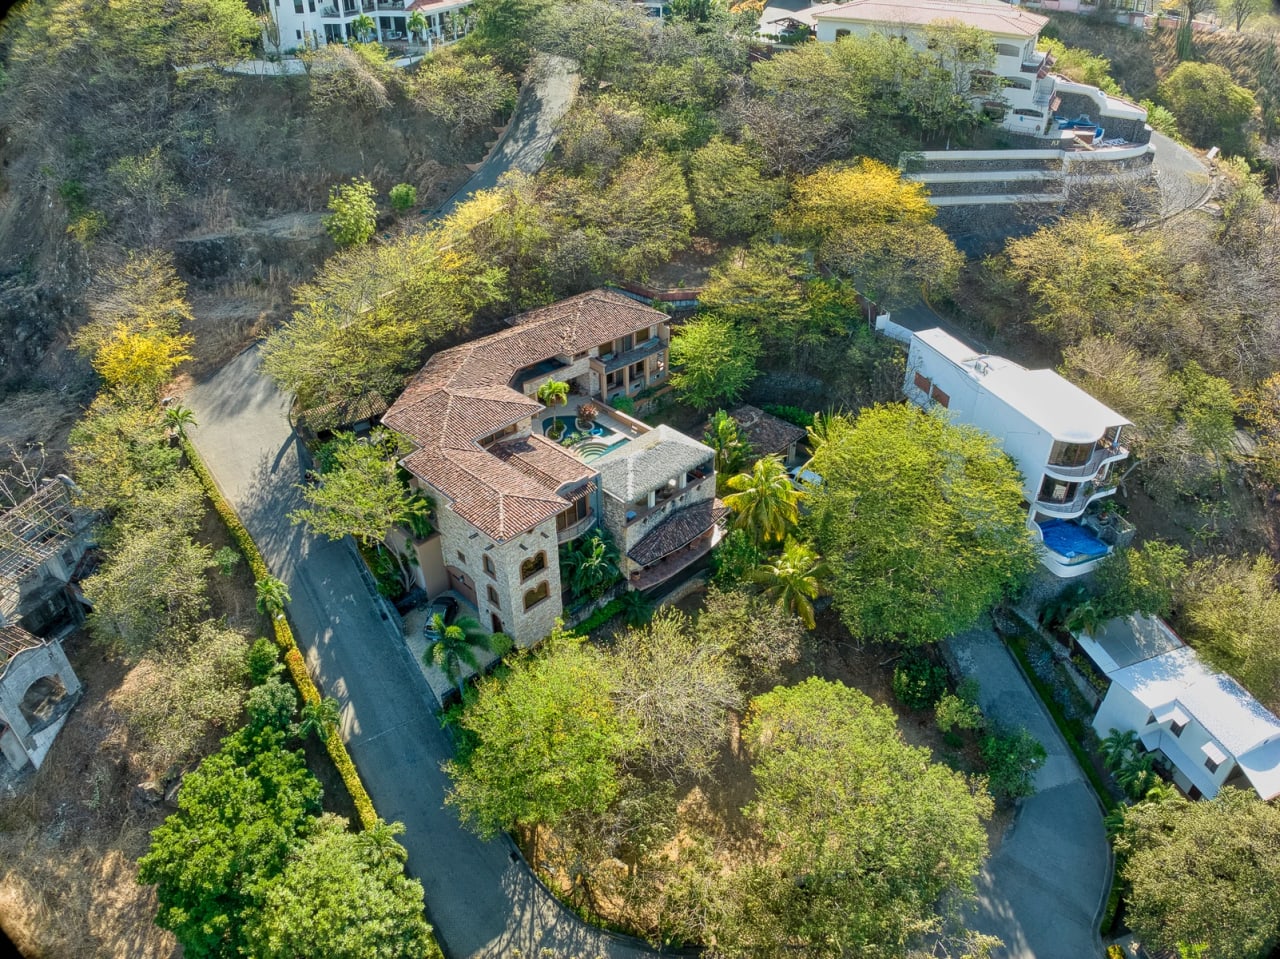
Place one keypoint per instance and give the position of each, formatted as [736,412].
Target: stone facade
[26,738]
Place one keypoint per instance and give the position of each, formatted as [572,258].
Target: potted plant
[587,414]
[556,431]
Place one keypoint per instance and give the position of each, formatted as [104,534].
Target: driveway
[1043,890]
[1183,178]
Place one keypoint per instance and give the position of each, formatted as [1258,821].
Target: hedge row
[284,637]
[601,616]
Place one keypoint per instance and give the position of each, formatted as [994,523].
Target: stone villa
[513,479]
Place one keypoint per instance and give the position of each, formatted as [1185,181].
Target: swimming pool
[591,450]
[1072,541]
[589,445]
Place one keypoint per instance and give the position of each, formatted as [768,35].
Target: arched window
[536,595]
[533,565]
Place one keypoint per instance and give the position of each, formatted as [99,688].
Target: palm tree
[765,503]
[273,596]
[456,647]
[178,418]
[1117,747]
[416,25]
[826,427]
[1137,775]
[321,717]
[590,565]
[553,393]
[380,840]
[363,26]
[732,450]
[1087,618]
[793,580]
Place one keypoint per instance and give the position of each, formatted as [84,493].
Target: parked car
[445,607]
[804,479]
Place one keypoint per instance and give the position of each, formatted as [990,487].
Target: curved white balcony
[1100,458]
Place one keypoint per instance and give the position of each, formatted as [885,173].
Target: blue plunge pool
[1071,540]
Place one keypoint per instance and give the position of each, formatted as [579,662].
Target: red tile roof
[464,394]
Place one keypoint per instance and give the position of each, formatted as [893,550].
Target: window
[536,595]
[311,5]
[841,33]
[493,598]
[1211,765]
[489,567]
[1007,50]
[299,33]
[923,383]
[461,557]
[297,6]
[1176,727]
[532,566]
[939,397]
[573,515]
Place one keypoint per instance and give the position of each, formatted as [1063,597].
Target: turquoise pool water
[591,444]
[1071,540]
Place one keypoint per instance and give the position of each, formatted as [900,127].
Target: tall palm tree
[766,505]
[1117,746]
[826,427]
[416,25]
[321,717]
[273,596]
[793,580]
[456,647]
[178,418]
[363,27]
[553,393]
[732,450]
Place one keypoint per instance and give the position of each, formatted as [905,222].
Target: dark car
[446,607]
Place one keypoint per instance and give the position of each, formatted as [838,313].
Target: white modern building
[1064,441]
[1018,89]
[307,24]
[1204,727]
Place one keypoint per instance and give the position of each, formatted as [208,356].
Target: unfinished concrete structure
[42,542]
[37,690]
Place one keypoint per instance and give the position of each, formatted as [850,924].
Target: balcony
[668,493]
[576,530]
[1100,458]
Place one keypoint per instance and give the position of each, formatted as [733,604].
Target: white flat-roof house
[1064,441]
[1018,88]
[512,479]
[1204,726]
[307,24]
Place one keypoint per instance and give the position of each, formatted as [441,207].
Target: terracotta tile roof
[765,432]
[993,16]
[343,413]
[464,395]
[679,529]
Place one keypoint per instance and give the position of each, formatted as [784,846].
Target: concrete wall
[21,672]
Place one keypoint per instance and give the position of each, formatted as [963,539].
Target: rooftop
[1131,639]
[649,461]
[993,16]
[464,395]
[1052,402]
[765,432]
[678,530]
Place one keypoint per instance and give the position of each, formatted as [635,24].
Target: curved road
[481,897]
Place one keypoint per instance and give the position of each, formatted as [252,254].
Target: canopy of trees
[922,522]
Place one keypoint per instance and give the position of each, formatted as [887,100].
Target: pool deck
[622,432]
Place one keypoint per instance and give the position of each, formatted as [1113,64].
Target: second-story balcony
[574,530]
[1058,499]
[1100,457]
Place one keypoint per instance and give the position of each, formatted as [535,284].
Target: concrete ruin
[37,690]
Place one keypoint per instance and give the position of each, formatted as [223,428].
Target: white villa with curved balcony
[1065,442]
[513,479]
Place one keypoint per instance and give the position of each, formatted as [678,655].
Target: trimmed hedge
[284,637]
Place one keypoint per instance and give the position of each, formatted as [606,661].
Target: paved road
[1183,178]
[481,897]
[1042,891]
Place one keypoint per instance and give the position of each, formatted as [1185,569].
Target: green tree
[1142,579]
[553,393]
[465,91]
[731,195]
[1012,759]
[871,226]
[337,897]
[589,565]
[364,28]
[179,418]
[1204,872]
[794,580]
[271,596]
[272,704]
[416,25]
[676,687]
[762,636]
[548,741]
[1212,110]
[713,360]
[764,502]
[1230,612]
[456,645]
[732,451]
[240,816]
[1239,11]
[354,214]
[1087,276]
[863,834]
[762,287]
[922,522]
[321,717]
[362,496]
[403,196]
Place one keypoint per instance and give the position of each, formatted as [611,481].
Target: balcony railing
[576,530]
[666,495]
[1100,458]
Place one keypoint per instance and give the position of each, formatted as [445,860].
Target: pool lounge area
[603,436]
[1070,549]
